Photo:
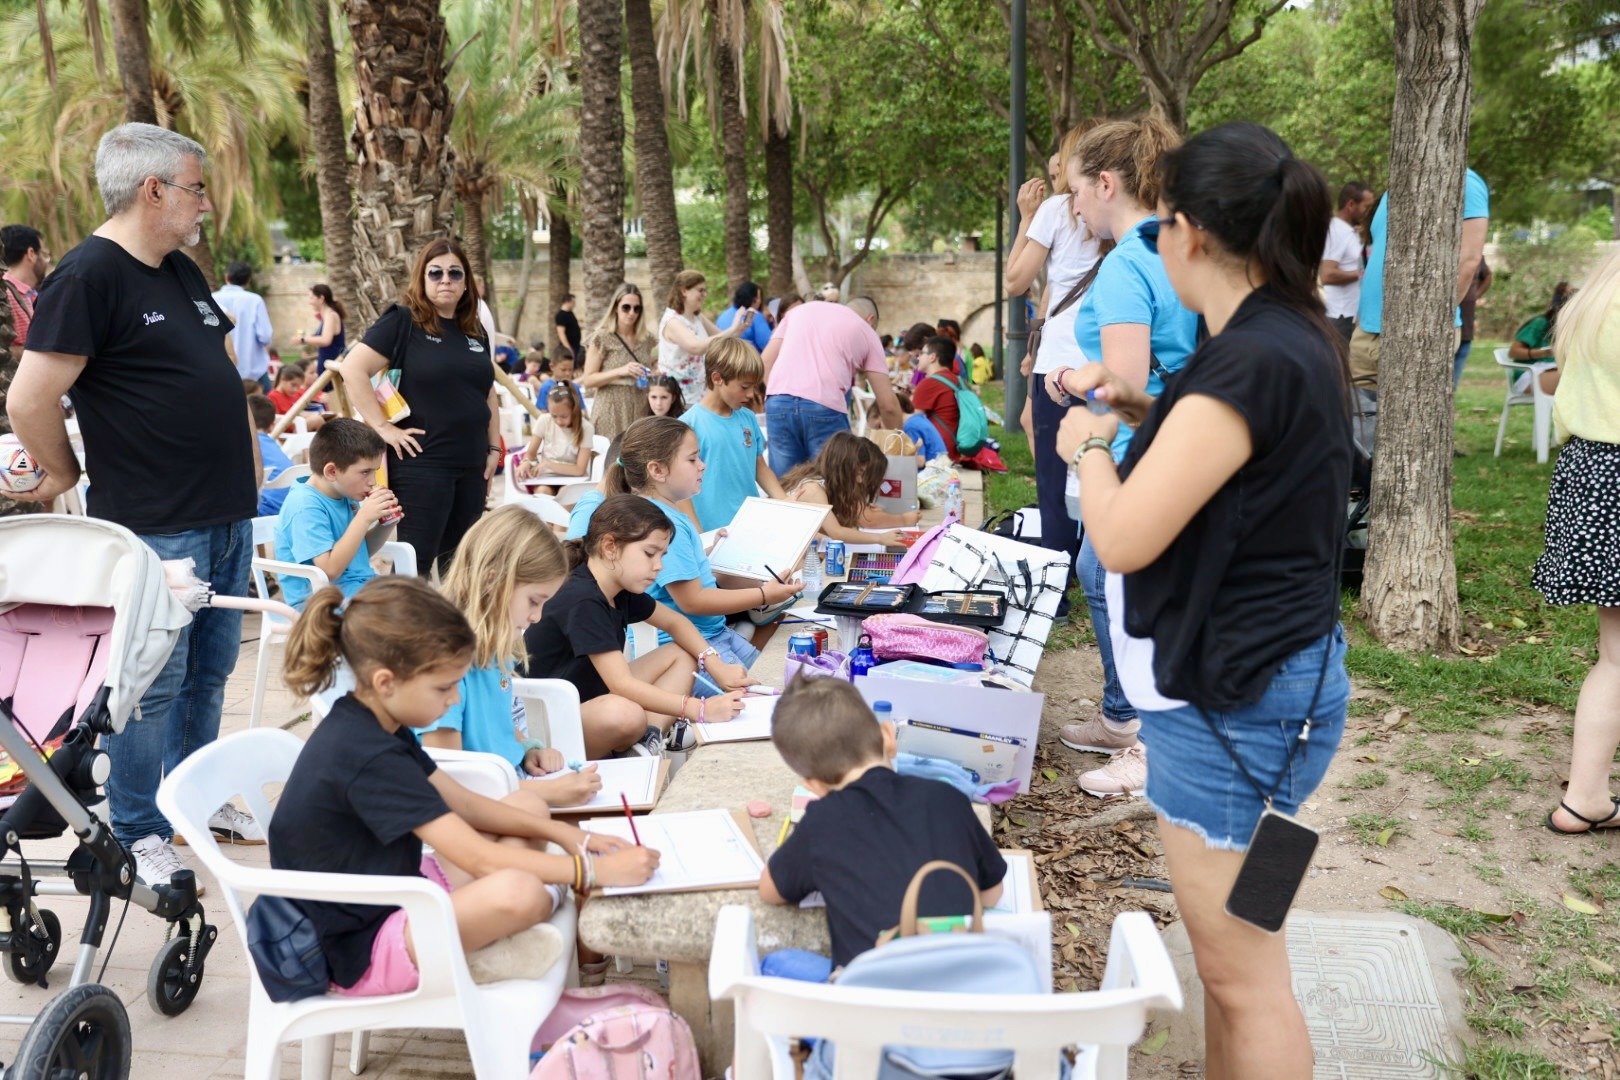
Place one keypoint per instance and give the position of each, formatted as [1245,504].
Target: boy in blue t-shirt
[729,436]
[275,460]
[562,371]
[325,518]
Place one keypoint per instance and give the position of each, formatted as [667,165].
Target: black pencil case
[960,607]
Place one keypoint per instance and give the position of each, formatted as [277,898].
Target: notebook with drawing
[766,535]
[638,779]
[698,850]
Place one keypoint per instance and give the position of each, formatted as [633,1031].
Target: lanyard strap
[1299,744]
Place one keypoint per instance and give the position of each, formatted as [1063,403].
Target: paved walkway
[209,1039]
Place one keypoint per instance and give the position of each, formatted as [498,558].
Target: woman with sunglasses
[1221,533]
[444,456]
[1131,322]
[618,360]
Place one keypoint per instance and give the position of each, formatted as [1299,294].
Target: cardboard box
[1009,721]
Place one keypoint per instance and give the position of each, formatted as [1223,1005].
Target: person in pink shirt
[814,358]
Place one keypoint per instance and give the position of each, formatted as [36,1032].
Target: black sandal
[1591,826]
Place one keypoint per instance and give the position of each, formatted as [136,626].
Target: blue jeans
[797,428]
[1115,705]
[181,710]
[1460,362]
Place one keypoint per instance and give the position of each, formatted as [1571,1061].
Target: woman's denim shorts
[1192,780]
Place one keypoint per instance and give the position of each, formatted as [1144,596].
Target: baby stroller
[87,621]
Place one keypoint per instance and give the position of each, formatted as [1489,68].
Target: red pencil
[626,801]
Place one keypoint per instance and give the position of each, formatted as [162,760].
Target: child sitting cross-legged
[628,703]
[326,515]
[870,831]
[506,568]
[363,798]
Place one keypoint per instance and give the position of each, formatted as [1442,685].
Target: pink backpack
[912,637]
[612,1033]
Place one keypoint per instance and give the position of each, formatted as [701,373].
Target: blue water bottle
[863,659]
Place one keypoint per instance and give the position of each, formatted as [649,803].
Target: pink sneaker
[1099,736]
[1125,774]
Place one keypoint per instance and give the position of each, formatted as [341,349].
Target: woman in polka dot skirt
[1581,563]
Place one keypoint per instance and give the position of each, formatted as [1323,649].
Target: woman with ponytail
[1129,320]
[1220,533]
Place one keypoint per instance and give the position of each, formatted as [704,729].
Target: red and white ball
[18,473]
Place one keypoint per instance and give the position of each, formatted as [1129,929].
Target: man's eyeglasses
[438,273]
[201,193]
[630,309]
[1149,230]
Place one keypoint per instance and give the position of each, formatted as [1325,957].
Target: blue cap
[882,707]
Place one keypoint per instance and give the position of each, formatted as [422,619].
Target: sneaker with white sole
[156,862]
[1099,736]
[1125,774]
[236,827]
[680,738]
[651,744]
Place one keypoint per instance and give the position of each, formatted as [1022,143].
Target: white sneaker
[156,862]
[235,827]
[1125,774]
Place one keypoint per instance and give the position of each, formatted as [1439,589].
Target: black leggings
[1059,531]
[440,506]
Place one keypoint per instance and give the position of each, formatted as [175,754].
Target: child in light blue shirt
[729,436]
[324,521]
[275,460]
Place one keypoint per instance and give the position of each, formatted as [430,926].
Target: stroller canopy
[84,562]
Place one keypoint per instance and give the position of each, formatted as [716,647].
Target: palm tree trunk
[560,258]
[601,138]
[655,170]
[132,45]
[472,238]
[734,154]
[331,155]
[779,210]
[401,140]
[525,271]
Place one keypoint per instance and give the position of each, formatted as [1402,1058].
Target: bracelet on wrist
[703,656]
[1096,442]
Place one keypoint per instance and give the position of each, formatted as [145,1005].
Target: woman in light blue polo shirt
[1131,321]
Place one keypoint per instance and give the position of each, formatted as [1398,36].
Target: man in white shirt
[251,334]
[1341,261]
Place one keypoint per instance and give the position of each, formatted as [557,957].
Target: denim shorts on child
[1192,780]
[734,648]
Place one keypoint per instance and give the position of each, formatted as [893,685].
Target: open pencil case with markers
[961,607]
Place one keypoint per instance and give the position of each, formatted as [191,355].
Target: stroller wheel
[170,989]
[83,1033]
[31,967]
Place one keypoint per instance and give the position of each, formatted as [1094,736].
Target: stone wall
[907,289]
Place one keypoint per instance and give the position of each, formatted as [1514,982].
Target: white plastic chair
[544,507]
[860,403]
[599,449]
[570,494]
[861,1021]
[641,640]
[286,478]
[552,706]
[274,627]
[1541,428]
[499,1019]
[296,446]
[489,775]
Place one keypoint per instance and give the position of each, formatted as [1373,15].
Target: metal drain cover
[1369,992]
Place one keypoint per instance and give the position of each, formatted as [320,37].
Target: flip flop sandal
[1591,825]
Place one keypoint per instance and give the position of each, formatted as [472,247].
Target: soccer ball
[18,473]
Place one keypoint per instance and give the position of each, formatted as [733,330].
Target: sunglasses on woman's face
[454,273]
[1149,230]
[630,309]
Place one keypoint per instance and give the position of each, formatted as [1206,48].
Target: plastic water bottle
[883,710]
[812,574]
[1071,495]
[953,500]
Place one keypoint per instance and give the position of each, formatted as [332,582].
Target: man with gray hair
[814,358]
[126,327]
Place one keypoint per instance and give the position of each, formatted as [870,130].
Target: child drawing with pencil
[506,568]
[363,798]
[869,831]
[628,704]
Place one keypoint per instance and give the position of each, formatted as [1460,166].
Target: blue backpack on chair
[968,963]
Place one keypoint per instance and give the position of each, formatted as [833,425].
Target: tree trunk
[401,138]
[734,155]
[601,138]
[559,280]
[331,155]
[655,169]
[779,210]
[472,239]
[132,45]
[525,274]
[1409,594]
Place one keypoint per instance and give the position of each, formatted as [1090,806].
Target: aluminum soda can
[834,559]
[802,645]
[820,634]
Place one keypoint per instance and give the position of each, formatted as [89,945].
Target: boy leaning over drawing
[861,842]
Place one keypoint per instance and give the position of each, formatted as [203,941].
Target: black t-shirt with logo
[356,797]
[445,378]
[167,442]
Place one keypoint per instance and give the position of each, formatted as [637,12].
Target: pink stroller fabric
[52,661]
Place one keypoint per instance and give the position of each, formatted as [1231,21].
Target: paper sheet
[636,778]
[1016,896]
[767,533]
[754,722]
[698,849]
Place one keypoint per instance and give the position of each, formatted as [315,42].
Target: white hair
[129,153]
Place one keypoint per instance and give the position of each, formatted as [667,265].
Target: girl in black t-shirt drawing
[443,461]
[363,797]
[1225,520]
